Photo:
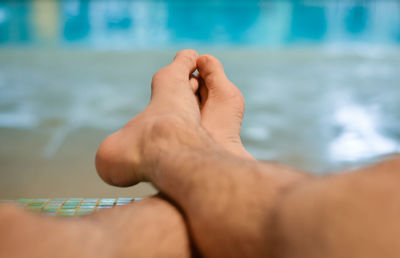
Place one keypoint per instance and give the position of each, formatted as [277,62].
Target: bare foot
[167,145]
[171,118]
[222,106]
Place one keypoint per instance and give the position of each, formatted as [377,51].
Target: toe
[222,105]
[177,76]
[209,65]
[194,83]
[211,70]
[218,87]
[184,63]
[212,73]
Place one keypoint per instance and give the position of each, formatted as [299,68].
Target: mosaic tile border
[69,206]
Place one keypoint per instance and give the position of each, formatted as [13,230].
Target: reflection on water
[144,24]
[359,136]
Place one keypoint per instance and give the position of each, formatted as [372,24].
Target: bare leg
[243,208]
[145,227]
[228,201]
[149,228]
[354,214]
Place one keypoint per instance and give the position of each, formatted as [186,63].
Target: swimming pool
[121,24]
[320,79]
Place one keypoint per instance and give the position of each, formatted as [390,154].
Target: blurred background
[321,81]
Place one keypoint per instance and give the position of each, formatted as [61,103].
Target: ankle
[235,146]
[171,136]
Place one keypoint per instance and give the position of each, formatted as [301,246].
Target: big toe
[222,104]
[212,72]
[220,92]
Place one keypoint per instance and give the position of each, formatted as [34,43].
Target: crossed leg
[137,229]
[227,198]
[233,206]
[238,207]
[148,228]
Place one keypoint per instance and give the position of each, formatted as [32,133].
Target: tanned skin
[187,143]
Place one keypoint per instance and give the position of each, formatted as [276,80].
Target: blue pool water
[159,24]
[320,79]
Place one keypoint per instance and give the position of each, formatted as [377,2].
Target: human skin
[148,228]
[355,214]
[228,200]
[158,222]
[229,204]
[238,207]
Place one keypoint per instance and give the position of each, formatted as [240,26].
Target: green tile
[125,199]
[58,200]
[88,204]
[49,210]
[86,209]
[57,204]
[68,203]
[36,204]
[91,200]
[54,203]
[69,207]
[108,200]
[106,204]
[50,207]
